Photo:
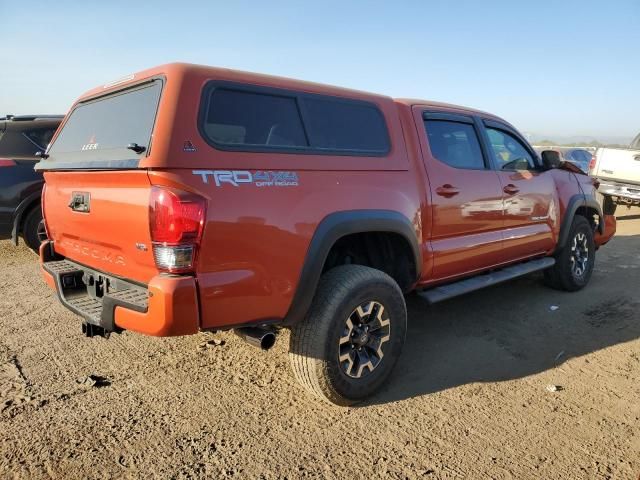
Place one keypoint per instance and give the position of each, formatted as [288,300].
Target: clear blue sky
[550,67]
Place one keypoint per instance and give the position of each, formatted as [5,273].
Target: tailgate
[618,164]
[101,219]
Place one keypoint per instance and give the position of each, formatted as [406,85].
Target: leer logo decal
[91,144]
[187,146]
[258,178]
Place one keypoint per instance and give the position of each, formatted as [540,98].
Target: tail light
[176,222]
[592,163]
[6,162]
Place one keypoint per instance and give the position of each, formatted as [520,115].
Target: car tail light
[6,162]
[176,222]
[592,163]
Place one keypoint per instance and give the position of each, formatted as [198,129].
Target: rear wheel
[575,261]
[33,229]
[352,336]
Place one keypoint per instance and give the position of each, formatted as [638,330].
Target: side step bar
[445,292]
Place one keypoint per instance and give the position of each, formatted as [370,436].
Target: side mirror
[551,159]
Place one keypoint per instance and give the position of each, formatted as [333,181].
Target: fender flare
[578,200]
[26,204]
[328,232]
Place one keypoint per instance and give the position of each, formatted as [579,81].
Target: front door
[529,193]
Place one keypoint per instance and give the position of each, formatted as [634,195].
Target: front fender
[577,201]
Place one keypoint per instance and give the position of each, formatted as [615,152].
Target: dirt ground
[469,397]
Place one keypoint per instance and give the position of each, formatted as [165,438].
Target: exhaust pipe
[257,336]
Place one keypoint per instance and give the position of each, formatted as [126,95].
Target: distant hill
[579,141]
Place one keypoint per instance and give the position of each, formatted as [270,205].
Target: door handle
[510,189]
[447,191]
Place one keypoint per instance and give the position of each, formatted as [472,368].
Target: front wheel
[575,261]
[352,336]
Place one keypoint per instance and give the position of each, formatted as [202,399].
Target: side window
[454,143]
[339,125]
[508,152]
[236,117]
[242,118]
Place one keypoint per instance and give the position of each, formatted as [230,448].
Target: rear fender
[329,231]
[26,204]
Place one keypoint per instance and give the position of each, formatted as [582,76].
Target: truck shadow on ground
[510,331]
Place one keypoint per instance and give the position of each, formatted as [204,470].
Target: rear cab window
[245,118]
[97,132]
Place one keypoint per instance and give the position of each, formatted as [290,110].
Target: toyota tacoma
[187,198]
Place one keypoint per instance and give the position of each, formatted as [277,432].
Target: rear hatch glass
[98,132]
[20,142]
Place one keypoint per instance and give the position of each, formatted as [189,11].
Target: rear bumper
[167,306]
[625,193]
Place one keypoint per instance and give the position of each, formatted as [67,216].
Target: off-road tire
[315,343]
[30,228]
[562,275]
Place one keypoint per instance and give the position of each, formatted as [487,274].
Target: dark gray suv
[21,137]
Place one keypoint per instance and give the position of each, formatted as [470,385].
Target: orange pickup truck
[187,198]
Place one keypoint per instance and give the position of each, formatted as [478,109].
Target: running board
[444,292]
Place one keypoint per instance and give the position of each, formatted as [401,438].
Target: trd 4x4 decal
[258,178]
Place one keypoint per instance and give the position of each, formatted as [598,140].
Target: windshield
[100,133]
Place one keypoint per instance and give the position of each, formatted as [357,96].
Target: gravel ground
[469,398]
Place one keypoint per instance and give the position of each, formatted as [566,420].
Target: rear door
[529,193]
[619,164]
[466,195]
[96,203]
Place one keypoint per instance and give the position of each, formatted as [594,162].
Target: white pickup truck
[618,170]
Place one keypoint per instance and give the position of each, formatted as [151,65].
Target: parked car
[618,171]
[20,186]
[580,157]
[190,198]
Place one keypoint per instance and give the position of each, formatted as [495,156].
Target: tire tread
[306,352]
[559,276]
